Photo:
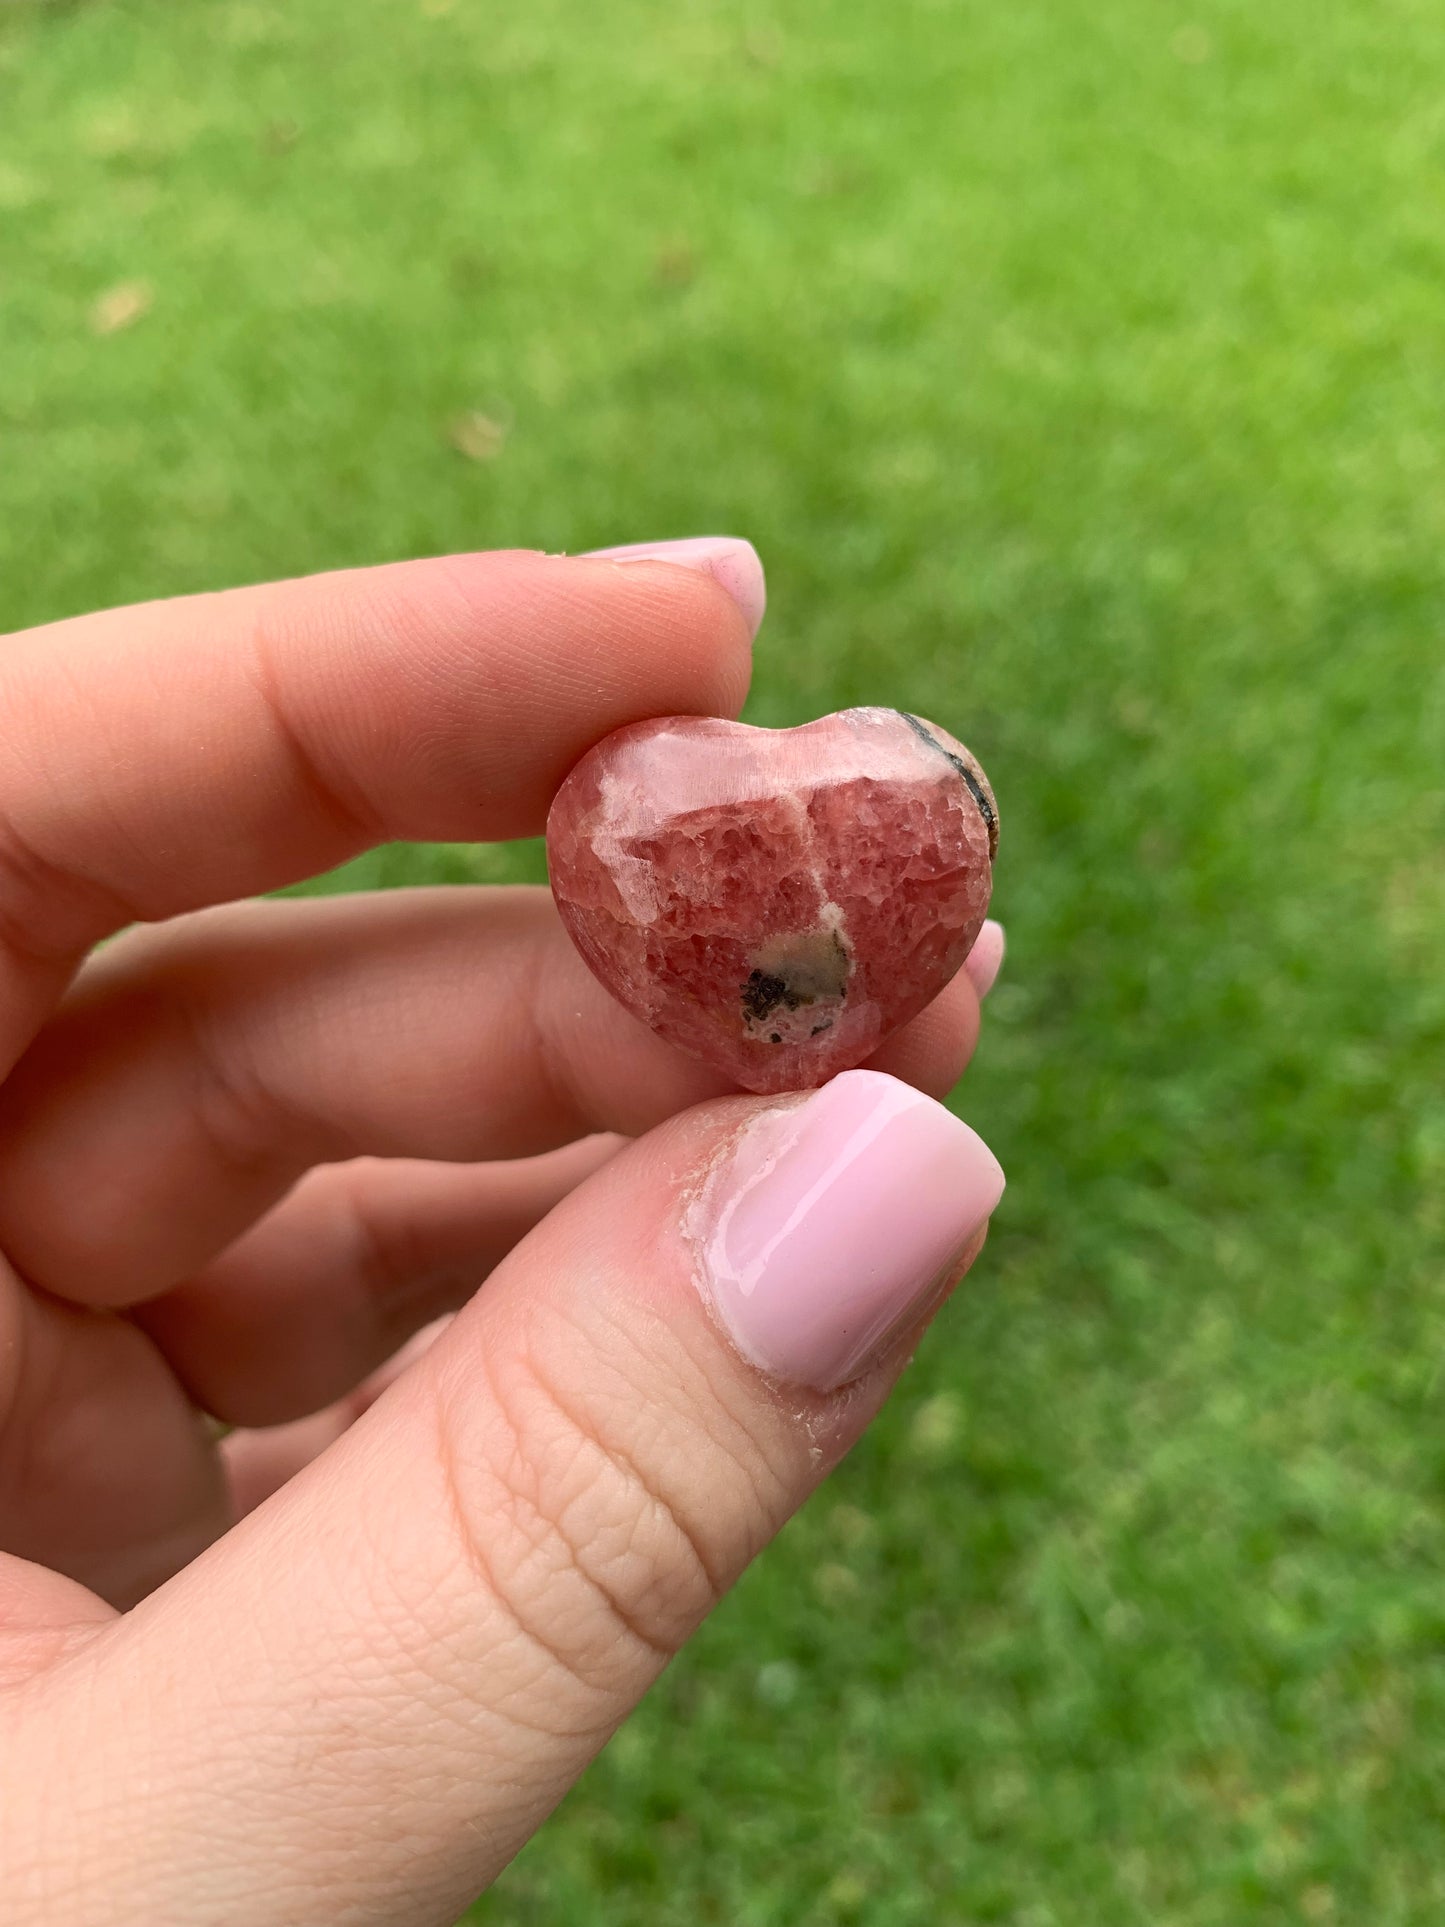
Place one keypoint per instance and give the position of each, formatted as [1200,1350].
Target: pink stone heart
[775,901]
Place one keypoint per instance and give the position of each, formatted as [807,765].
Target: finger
[339,1275]
[137,1487]
[985,960]
[107,1473]
[260,1462]
[361,1702]
[185,752]
[43,1616]
[932,1051]
[197,1071]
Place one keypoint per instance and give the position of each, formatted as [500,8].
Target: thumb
[358,1705]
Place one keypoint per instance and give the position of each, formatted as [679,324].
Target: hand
[247,1150]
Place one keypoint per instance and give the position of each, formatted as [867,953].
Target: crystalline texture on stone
[775,902]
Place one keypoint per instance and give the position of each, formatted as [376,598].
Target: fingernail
[728,559]
[836,1221]
[983,961]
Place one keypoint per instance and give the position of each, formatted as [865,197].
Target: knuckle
[50,914]
[282,611]
[572,1532]
[386,1246]
[248,1121]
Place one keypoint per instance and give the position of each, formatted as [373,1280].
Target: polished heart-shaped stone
[775,901]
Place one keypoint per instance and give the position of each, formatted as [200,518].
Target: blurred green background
[1079,371]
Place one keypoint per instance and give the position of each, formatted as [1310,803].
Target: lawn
[1079,371]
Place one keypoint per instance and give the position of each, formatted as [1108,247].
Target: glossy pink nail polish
[732,562]
[833,1221]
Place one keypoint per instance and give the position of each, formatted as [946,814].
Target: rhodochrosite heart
[775,901]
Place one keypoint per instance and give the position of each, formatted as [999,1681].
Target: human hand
[333,1671]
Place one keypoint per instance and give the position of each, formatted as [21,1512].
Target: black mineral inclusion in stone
[975,788]
[809,978]
[762,994]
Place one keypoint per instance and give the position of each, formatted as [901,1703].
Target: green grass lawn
[1079,371]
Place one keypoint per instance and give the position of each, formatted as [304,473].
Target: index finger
[158,758]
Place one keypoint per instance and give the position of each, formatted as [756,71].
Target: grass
[1079,371]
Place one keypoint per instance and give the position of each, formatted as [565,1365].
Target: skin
[337,1670]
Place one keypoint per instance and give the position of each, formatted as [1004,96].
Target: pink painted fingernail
[835,1221]
[983,961]
[728,559]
